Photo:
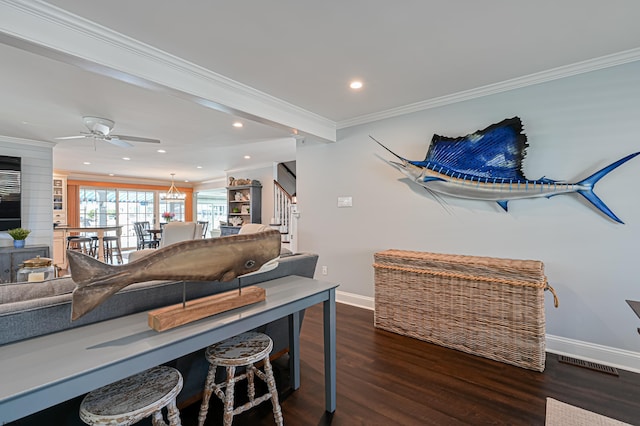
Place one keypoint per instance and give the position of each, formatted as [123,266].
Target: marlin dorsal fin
[496,152]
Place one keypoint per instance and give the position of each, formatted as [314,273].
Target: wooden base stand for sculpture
[176,315]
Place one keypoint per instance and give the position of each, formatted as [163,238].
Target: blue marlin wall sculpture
[487,165]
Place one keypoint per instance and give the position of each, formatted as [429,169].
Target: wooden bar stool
[94,246]
[109,248]
[69,238]
[246,349]
[134,398]
[81,244]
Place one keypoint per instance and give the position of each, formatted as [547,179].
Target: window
[212,207]
[134,206]
[172,206]
[98,207]
[123,207]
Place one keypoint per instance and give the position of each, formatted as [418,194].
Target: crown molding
[258,166]
[32,142]
[94,177]
[503,86]
[47,30]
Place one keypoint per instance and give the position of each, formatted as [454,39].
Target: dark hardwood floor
[387,379]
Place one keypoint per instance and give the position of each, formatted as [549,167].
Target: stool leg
[206,396]
[173,414]
[251,387]
[271,384]
[106,247]
[228,397]
[119,254]
[157,420]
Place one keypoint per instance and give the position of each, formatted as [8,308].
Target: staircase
[281,220]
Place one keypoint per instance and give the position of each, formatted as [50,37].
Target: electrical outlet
[325,270]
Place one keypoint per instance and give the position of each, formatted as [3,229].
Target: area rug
[561,414]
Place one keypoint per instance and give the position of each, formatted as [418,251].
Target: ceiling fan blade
[71,137]
[135,139]
[118,142]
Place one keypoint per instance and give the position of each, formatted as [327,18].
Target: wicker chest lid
[506,271]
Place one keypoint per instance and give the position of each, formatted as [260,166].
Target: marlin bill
[487,165]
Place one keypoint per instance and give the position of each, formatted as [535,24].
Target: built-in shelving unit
[244,202]
[59,200]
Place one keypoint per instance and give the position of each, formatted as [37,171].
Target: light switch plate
[345,201]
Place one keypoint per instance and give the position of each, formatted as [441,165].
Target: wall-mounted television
[10,192]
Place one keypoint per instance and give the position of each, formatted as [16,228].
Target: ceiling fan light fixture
[173,194]
[99,125]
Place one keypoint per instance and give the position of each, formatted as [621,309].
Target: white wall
[37,173]
[574,126]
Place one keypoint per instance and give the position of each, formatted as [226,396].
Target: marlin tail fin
[591,181]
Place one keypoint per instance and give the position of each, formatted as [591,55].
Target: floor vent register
[588,364]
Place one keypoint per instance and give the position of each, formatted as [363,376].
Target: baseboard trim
[614,357]
[356,300]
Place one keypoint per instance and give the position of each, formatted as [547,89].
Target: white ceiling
[301,52]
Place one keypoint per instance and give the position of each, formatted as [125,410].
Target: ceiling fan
[100,129]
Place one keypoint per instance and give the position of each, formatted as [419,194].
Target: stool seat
[243,350]
[81,244]
[134,398]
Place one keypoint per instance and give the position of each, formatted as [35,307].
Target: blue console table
[44,371]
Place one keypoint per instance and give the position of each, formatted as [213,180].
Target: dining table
[98,230]
[156,234]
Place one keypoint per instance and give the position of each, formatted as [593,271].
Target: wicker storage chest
[484,306]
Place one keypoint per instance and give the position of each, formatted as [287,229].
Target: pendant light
[173,194]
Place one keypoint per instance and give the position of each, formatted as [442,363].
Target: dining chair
[173,232]
[144,238]
[205,225]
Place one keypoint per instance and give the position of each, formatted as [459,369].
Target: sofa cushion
[19,292]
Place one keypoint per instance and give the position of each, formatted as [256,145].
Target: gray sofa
[32,309]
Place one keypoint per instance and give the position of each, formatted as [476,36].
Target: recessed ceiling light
[186,180]
[111,174]
[162,151]
[247,157]
[86,163]
[356,84]
[126,158]
[198,167]
[238,124]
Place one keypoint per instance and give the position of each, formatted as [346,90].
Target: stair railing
[281,210]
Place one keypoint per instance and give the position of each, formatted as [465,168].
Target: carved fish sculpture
[487,165]
[221,259]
